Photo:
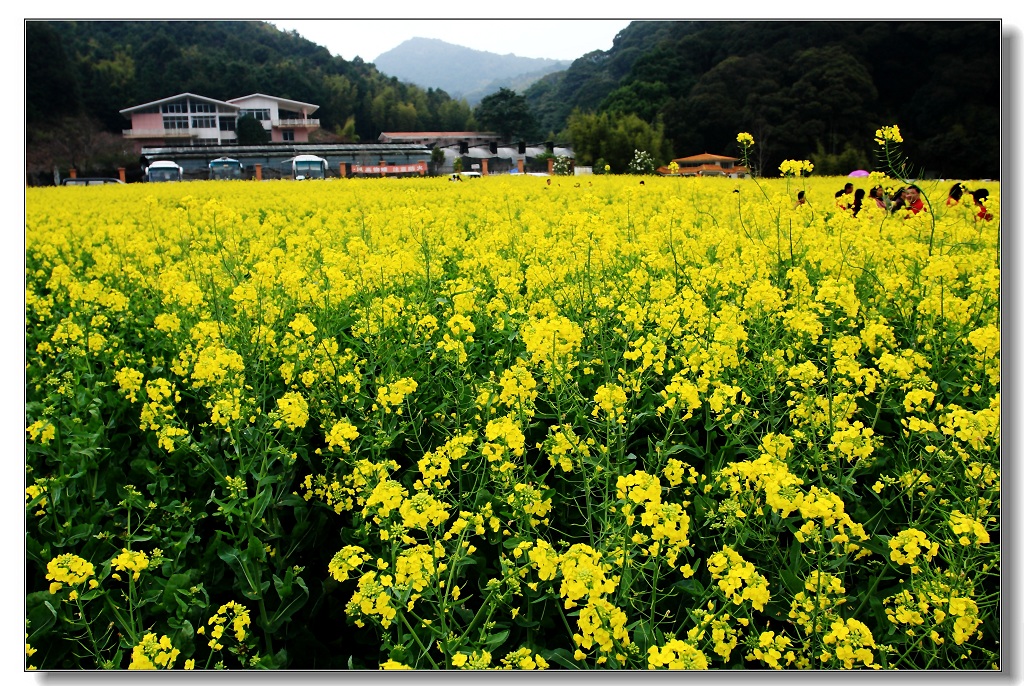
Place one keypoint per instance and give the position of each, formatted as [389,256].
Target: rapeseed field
[596,424]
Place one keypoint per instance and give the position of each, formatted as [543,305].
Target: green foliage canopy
[506,113]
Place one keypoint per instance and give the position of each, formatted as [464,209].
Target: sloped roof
[282,101]
[179,96]
[706,157]
[704,169]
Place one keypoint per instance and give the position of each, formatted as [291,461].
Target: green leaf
[289,606]
[255,552]
[40,613]
[264,499]
[495,641]
[562,657]
[175,584]
[690,586]
[792,581]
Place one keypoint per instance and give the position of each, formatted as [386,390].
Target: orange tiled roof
[705,169]
[708,157]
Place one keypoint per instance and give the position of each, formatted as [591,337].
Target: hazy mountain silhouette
[462,72]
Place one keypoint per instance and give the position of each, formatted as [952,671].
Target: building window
[258,115]
[287,135]
[203,107]
[227,124]
[204,122]
[173,108]
[174,123]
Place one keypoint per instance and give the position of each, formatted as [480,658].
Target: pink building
[286,120]
[190,119]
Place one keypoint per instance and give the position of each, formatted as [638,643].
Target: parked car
[90,181]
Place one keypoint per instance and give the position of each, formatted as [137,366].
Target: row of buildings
[193,129]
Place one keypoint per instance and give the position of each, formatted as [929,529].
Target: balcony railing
[300,123]
[159,133]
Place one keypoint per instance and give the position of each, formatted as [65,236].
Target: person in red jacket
[980,196]
[955,193]
[914,201]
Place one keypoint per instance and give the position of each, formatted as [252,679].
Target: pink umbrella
[859,172]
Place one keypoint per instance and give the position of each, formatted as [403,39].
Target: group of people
[980,195]
[908,198]
[905,198]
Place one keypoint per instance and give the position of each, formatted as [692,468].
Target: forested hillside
[806,90]
[87,71]
[803,89]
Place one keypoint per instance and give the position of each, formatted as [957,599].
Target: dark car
[90,181]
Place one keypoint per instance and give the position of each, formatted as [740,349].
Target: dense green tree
[834,94]
[642,98]
[436,160]
[614,139]
[506,113]
[51,89]
[251,132]
[793,84]
[839,164]
[98,68]
[454,115]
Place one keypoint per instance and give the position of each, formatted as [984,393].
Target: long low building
[275,160]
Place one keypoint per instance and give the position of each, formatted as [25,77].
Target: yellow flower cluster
[888,134]
[676,654]
[738,579]
[341,435]
[818,604]
[153,653]
[524,659]
[908,544]
[851,642]
[796,167]
[346,560]
[565,449]
[292,411]
[68,569]
[773,650]
[238,616]
[969,530]
[629,394]
[134,561]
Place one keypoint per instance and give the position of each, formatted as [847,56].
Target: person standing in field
[858,200]
[841,199]
[980,196]
[898,200]
[878,195]
[955,193]
[914,201]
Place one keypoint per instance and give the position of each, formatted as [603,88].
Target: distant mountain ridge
[462,72]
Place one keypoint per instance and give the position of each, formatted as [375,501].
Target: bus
[225,168]
[163,170]
[308,167]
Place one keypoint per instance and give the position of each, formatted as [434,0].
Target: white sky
[551,38]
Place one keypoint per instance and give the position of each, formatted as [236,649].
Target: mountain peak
[461,71]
